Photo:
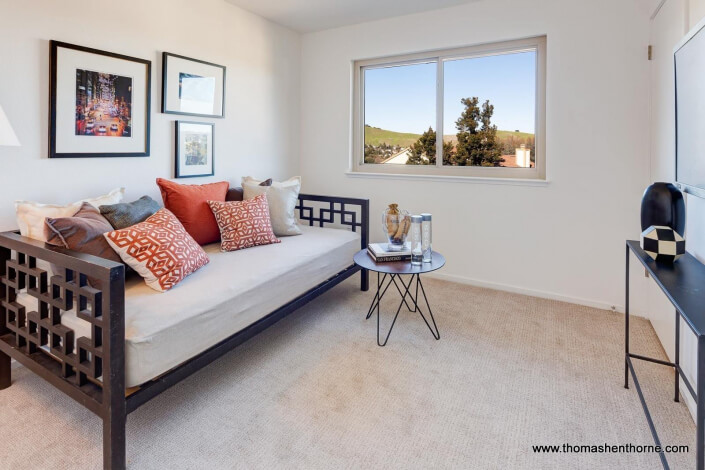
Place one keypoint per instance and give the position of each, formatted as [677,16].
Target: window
[487,102]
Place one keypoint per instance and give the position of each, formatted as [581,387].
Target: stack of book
[381,254]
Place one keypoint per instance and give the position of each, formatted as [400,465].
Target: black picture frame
[53,82]
[177,153]
[165,85]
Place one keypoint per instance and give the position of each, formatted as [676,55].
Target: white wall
[673,21]
[573,229]
[258,136]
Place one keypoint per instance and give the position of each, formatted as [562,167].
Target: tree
[378,153]
[423,151]
[477,137]
[511,141]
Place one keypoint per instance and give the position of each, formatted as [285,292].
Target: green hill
[521,135]
[376,136]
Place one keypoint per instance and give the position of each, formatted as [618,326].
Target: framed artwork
[195,152]
[192,87]
[99,103]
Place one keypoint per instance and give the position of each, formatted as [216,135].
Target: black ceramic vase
[663,204]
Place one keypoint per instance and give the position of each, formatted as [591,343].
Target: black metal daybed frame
[75,370]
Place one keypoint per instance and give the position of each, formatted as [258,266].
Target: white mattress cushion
[234,290]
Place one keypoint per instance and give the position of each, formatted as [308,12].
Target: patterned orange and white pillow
[243,223]
[159,249]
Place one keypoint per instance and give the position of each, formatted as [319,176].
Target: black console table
[684,284]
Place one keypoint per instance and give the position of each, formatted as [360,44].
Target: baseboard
[531,292]
[689,402]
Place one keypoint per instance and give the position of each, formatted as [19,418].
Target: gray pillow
[127,214]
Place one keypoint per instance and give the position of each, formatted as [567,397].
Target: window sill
[450,179]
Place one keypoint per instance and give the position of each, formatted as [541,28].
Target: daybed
[115,348]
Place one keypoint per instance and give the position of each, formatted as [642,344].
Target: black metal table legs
[700,413]
[404,291]
[698,395]
[626,324]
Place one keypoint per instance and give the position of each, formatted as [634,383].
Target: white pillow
[282,198]
[31,215]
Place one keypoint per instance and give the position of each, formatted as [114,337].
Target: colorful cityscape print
[103,104]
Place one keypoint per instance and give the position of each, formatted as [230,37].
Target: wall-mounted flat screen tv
[689,59]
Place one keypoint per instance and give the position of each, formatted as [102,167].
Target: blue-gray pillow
[127,214]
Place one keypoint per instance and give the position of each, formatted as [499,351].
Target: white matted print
[192,87]
[195,149]
[99,103]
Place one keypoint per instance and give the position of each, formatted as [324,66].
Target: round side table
[392,273]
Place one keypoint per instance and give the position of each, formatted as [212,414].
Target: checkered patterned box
[663,244]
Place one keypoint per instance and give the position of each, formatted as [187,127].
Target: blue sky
[403,99]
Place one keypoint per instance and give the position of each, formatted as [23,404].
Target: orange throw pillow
[159,249]
[244,223]
[188,202]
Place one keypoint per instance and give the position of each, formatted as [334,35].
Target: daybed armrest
[351,212]
[336,210]
[80,366]
[326,210]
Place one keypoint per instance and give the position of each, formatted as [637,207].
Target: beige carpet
[315,391]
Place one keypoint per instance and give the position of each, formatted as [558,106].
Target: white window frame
[358,167]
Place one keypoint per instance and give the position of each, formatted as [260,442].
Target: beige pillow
[31,215]
[282,198]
